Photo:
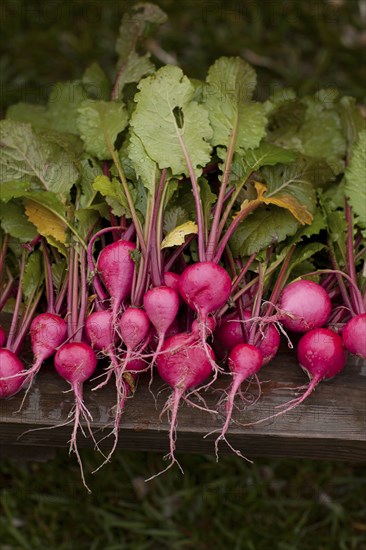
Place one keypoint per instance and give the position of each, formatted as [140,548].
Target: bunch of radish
[150,263]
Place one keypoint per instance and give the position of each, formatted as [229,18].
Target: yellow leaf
[47,223]
[178,235]
[287,201]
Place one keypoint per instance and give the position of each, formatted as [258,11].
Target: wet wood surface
[331,424]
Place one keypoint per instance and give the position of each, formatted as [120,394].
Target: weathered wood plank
[330,424]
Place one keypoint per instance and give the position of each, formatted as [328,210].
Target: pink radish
[134,326]
[304,305]
[99,330]
[116,267]
[321,355]
[245,360]
[205,287]
[354,335]
[11,377]
[76,362]
[161,305]
[229,334]
[101,336]
[183,365]
[47,332]
[172,280]
[2,337]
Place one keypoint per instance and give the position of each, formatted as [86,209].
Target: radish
[161,305]
[76,362]
[245,360]
[134,327]
[116,268]
[99,330]
[11,377]
[2,337]
[229,334]
[304,305]
[205,287]
[354,335]
[321,355]
[183,365]
[172,280]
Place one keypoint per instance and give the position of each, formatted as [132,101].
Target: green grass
[280,504]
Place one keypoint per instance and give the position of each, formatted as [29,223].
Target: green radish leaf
[267,154]
[113,192]
[58,273]
[144,167]
[304,253]
[13,190]
[26,155]
[89,169]
[351,118]
[355,179]
[133,70]
[174,217]
[317,225]
[63,103]
[33,274]
[169,123]
[86,220]
[99,121]
[231,82]
[96,83]
[208,199]
[292,182]
[14,222]
[135,25]
[36,115]
[312,127]
[266,226]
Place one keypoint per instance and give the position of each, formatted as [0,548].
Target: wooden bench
[331,424]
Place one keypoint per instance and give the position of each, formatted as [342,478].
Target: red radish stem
[322,356]
[183,365]
[245,360]
[2,336]
[76,362]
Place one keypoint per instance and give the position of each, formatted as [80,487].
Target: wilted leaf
[285,200]
[47,223]
[178,235]
[113,193]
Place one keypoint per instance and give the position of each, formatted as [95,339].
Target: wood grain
[331,424]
